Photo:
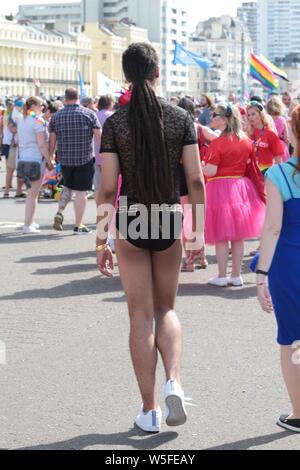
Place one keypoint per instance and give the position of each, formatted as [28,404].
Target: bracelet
[264,273]
[104,247]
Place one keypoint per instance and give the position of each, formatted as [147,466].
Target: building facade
[164,20]
[108,44]
[278,28]
[224,41]
[53,57]
[247,14]
[212,80]
[51,13]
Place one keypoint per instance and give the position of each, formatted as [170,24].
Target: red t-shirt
[267,146]
[230,155]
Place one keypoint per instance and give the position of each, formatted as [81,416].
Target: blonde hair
[262,113]
[233,118]
[275,107]
[31,101]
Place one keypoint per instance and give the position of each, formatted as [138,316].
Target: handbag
[28,171]
[254,174]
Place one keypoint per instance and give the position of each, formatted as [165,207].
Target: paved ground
[68,382]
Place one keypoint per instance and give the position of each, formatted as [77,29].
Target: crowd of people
[219,173]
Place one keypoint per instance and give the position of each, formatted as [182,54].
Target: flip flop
[20,196]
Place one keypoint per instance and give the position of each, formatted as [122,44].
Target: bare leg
[237,257]
[136,276]
[291,374]
[65,198]
[8,179]
[168,334]
[19,186]
[222,252]
[79,206]
[31,201]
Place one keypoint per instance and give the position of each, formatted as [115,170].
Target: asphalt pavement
[66,378]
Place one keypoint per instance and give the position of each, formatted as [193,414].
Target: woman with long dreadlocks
[145,141]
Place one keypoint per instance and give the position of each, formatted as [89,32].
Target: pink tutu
[234,211]
[286,155]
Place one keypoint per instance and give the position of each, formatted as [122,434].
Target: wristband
[264,273]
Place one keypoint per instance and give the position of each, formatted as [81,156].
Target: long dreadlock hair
[151,163]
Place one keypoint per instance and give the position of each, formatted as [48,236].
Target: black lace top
[179,131]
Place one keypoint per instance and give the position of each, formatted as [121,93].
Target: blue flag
[184,57]
[82,86]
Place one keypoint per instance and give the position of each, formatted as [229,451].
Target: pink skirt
[286,155]
[234,211]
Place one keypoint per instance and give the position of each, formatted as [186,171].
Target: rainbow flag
[276,70]
[261,72]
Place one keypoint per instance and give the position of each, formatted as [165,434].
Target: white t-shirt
[28,128]
[7,135]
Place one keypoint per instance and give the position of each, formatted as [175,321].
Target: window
[104,57]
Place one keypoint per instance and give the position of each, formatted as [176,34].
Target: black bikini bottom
[154,230]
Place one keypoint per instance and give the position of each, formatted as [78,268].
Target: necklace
[38,119]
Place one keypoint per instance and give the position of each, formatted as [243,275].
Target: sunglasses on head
[257,104]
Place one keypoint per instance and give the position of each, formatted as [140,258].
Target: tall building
[220,40]
[54,57]
[278,28]
[247,14]
[50,13]
[165,21]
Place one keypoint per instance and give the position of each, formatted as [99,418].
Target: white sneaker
[30,229]
[218,281]
[35,225]
[236,281]
[149,422]
[174,399]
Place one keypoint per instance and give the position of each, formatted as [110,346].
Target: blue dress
[284,274]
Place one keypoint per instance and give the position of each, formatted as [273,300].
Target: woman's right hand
[50,165]
[105,262]
[264,298]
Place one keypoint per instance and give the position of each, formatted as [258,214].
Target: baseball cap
[19,102]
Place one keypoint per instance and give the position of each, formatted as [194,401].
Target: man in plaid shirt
[73,129]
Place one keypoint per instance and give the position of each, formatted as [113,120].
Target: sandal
[200,258]
[20,196]
[5,196]
[187,266]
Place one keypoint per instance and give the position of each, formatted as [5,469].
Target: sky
[198,9]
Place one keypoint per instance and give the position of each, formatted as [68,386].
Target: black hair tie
[228,113]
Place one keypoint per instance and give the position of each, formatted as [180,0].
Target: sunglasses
[257,104]
[216,114]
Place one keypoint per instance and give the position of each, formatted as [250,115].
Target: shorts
[5,150]
[160,229]
[97,178]
[11,161]
[79,178]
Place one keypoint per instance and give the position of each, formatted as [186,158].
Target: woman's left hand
[105,262]
[264,298]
